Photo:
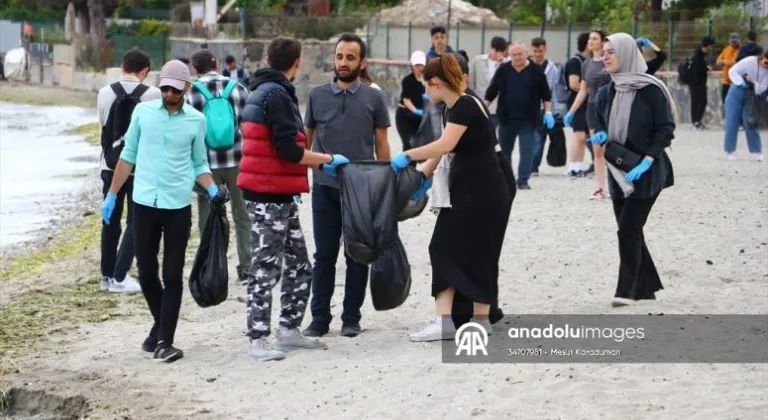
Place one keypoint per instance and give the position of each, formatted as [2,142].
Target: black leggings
[638,277]
[407,124]
[149,225]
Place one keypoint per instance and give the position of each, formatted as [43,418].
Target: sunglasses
[166,89]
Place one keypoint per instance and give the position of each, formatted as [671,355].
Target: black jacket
[699,70]
[748,50]
[498,87]
[651,130]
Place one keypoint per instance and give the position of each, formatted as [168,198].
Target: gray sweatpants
[278,251]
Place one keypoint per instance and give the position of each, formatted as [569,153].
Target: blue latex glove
[549,120]
[330,168]
[425,97]
[399,162]
[645,42]
[297,199]
[419,112]
[639,170]
[568,119]
[599,138]
[108,206]
[426,184]
[212,189]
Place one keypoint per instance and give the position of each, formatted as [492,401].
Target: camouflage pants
[278,250]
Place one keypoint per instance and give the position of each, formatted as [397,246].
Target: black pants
[116,262]
[698,102]
[150,224]
[638,277]
[407,124]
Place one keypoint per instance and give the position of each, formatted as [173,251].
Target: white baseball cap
[418,58]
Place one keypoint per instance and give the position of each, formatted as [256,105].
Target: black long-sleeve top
[539,91]
[651,129]
[699,70]
[655,63]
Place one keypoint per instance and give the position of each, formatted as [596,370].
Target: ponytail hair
[446,68]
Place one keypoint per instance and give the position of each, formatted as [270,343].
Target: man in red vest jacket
[273,172]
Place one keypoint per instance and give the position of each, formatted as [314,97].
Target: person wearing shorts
[593,77]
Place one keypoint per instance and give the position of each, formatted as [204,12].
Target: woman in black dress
[634,112]
[473,211]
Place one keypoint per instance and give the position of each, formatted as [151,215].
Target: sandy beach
[708,235]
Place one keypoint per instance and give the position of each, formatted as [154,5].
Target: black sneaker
[168,354]
[350,330]
[150,344]
[523,186]
[315,329]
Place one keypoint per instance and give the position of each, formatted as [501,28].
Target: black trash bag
[371,200]
[431,127]
[390,278]
[753,104]
[557,154]
[408,181]
[209,279]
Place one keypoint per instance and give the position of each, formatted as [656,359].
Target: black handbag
[619,156]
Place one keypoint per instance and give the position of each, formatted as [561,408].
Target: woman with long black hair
[473,206]
[635,123]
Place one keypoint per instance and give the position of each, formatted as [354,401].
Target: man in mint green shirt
[166,143]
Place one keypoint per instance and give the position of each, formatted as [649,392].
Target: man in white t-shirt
[482,68]
[114,119]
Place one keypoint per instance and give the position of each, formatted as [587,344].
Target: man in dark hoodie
[698,86]
[273,172]
[750,48]
[439,43]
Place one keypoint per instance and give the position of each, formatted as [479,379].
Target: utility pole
[448,25]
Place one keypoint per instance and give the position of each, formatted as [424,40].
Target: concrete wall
[10,35]
[316,58]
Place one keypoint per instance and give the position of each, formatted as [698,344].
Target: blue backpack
[219,117]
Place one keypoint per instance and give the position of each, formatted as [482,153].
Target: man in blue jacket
[439,43]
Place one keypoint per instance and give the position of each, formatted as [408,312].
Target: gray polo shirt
[345,122]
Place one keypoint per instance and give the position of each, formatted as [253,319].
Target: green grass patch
[91,132]
[21,96]
[28,319]
[69,241]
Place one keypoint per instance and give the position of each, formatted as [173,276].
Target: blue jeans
[508,133]
[326,225]
[735,114]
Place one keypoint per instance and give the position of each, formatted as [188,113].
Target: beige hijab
[627,80]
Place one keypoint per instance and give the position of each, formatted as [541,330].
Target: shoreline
[41,95]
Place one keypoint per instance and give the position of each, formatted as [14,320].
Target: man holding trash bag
[166,143]
[272,172]
[349,117]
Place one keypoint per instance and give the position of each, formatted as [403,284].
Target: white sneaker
[619,302]
[104,284]
[262,351]
[434,331]
[758,157]
[730,156]
[128,285]
[293,339]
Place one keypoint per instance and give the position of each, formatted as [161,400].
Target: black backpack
[119,119]
[684,74]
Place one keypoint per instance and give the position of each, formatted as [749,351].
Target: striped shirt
[230,158]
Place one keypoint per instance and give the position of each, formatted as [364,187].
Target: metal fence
[157,47]
[397,40]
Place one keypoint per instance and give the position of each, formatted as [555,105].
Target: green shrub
[31,15]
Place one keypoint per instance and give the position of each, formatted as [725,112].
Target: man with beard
[166,144]
[272,172]
[350,118]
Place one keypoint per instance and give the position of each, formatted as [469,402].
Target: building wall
[10,35]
